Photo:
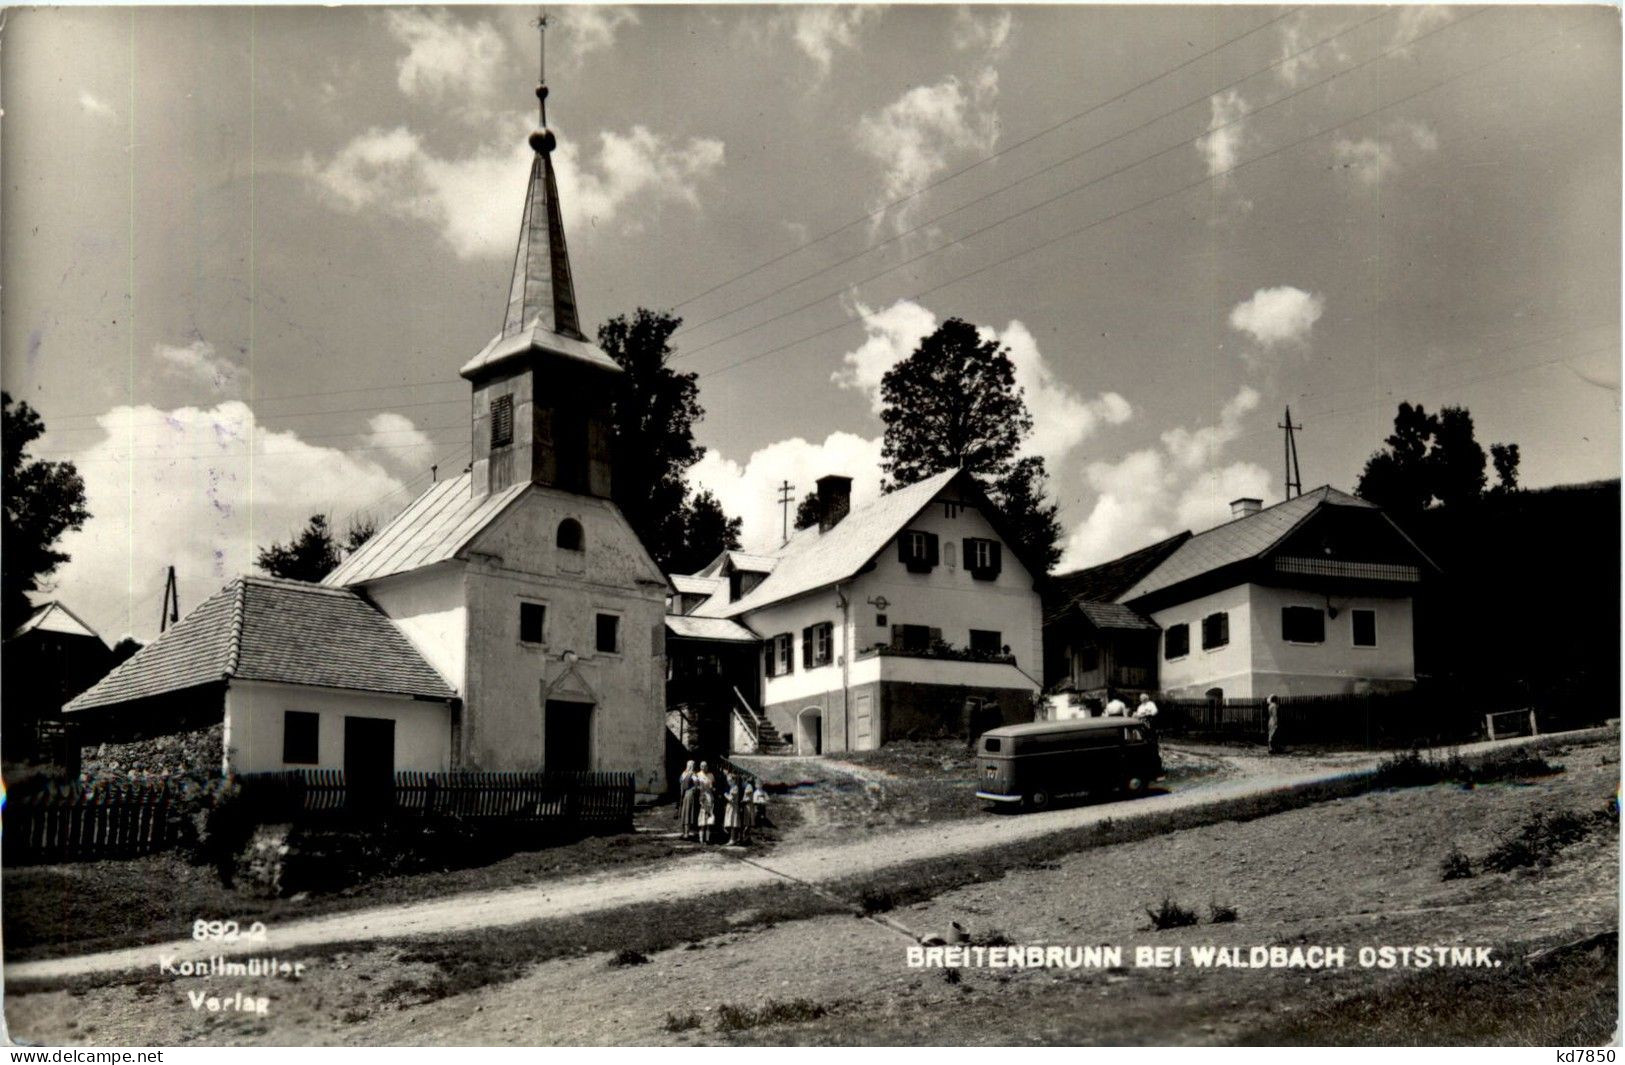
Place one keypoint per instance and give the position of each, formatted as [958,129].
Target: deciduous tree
[43,500]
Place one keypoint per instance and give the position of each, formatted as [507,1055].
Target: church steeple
[542,292]
[542,391]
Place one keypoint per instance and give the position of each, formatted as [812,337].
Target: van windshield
[990,744]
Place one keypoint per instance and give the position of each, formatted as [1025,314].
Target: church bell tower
[541,389]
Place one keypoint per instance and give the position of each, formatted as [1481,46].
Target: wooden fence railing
[1376,720]
[587,798]
[62,825]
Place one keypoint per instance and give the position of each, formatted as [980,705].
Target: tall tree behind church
[654,412]
[954,403]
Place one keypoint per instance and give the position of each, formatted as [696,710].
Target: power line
[218,456]
[1144,203]
[1203,98]
[1097,180]
[875,214]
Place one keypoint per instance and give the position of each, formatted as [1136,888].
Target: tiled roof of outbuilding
[269,629]
[1113,616]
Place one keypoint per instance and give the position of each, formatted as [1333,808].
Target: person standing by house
[688,803]
[747,813]
[1115,707]
[707,812]
[1147,710]
[730,815]
[759,814]
[1272,710]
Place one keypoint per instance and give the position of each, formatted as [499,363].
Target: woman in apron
[688,803]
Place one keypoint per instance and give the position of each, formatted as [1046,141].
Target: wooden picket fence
[1377,720]
[68,825]
[561,798]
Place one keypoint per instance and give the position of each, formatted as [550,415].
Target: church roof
[541,314]
[433,528]
[270,629]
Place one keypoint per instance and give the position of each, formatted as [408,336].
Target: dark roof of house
[1105,582]
[269,629]
[1240,539]
[54,617]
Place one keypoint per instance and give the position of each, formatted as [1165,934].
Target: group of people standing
[708,808]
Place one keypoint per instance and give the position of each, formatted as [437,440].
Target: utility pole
[170,612]
[1294,476]
[786,491]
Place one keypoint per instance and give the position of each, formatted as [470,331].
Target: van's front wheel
[1038,800]
[1134,785]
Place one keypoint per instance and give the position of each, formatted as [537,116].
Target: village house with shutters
[913,615]
[1314,596]
[509,618]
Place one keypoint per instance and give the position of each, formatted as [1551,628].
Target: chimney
[1246,505]
[834,501]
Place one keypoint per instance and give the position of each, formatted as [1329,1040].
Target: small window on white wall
[1364,623]
[301,733]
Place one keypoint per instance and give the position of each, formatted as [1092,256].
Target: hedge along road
[717,872]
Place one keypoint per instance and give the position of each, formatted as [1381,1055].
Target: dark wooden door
[369,761]
[568,736]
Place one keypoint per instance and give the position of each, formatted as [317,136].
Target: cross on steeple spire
[542,291]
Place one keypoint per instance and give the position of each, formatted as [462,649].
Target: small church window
[502,421]
[609,634]
[570,536]
[532,618]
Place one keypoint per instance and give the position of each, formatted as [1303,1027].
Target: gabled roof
[433,528]
[1239,540]
[752,563]
[1109,616]
[1107,581]
[693,628]
[689,585]
[54,617]
[813,560]
[269,629]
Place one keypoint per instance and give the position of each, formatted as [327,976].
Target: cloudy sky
[246,251]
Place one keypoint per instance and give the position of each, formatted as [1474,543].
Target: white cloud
[1300,55]
[445,57]
[593,28]
[397,437]
[474,200]
[1280,315]
[990,34]
[820,30]
[1416,19]
[1154,492]
[1221,149]
[749,490]
[185,494]
[1192,449]
[1368,159]
[915,137]
[199,362]
[1062,418]
[91,104]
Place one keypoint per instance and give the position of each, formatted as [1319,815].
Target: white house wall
[255,715]
[1336,666]
[430,607]
[1258,662]
[1228,667]
[516,560]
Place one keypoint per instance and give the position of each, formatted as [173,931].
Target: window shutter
[995,560]
[936,636]
[931,549]
[807,648]
[903,554]
[789,652]
[897,636]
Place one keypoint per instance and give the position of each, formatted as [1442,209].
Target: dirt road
[720,871]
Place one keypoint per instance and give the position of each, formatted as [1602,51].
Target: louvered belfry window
[501,421]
